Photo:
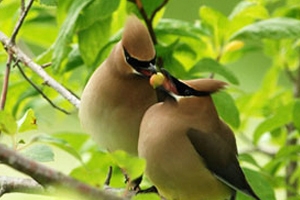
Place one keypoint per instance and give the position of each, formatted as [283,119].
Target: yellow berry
[157,80]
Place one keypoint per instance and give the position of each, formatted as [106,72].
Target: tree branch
[48,177]
[24,185]
[21,56]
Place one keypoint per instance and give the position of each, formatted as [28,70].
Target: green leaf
[226,108]
[210,65]
[280,118]
[296,114]
[64,38]
[259,184]
[89,42]
[146,196]
[179,28]
[74,59]
[8,124]
[133,166]
[39,152]
[217,22]
[27,122]
[275,28]
[96,169]
[95,11]
[49,2]
[248,158]
[62,144]
[75,140]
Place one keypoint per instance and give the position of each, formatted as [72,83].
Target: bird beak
[149,71]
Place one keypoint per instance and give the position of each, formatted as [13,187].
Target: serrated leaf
[61,45]
[62,144]
[280,118]
[27,122]
[226,108]
[8,124]
[39,152]
[296,114]
[275,28]
[210,65]
[133,166]
[179,28]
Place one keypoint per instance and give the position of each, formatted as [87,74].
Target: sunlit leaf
[210,65]
[227,109]
[133,166]
[275,28]
[39,152]
[8,124]
[62,144]
[96,169]
[75,140]
[27,122]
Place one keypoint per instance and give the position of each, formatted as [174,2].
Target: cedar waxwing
[118,93]
[191,154]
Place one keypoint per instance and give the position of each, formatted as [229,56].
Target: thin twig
[6,81]
[289,73]
[20,22]
[109,175]
[49,177]
[46,65]
[39,90]
[158,9]
[148,22]
[22,57]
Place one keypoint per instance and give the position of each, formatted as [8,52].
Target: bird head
[199,87]
[138,47]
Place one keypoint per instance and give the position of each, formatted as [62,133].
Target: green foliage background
[251,44]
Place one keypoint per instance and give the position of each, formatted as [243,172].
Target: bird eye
[136,64]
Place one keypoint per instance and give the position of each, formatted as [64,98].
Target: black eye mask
[139,65]
[182,88]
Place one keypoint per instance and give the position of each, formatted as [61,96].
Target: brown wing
[221,160]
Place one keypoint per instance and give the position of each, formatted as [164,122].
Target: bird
[118,93]
[190,153]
